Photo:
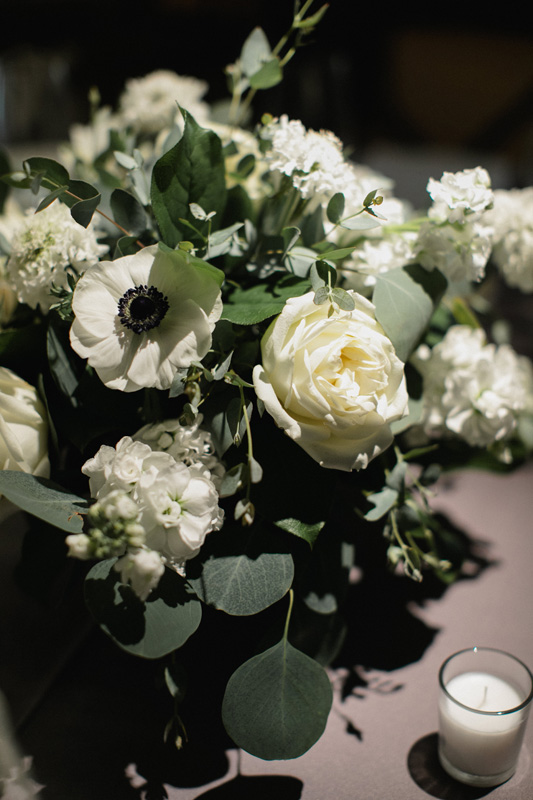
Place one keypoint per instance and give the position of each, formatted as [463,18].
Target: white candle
[475,742]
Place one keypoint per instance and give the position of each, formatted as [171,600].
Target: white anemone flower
[140,318]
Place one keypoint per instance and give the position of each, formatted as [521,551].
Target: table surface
[86,720]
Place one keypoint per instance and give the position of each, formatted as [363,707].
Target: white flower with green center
[142,317]
[45,247]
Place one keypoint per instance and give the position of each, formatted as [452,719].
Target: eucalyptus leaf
[128,212]
[44,499]
[405,299]
[150,629]
[382,501]
[240,572]
[276,705]
[335,208]
[360,222]
[52,174]
[255,52]
[269,75]
[304,530]
[83,200]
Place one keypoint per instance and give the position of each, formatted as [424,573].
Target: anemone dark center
[142,308]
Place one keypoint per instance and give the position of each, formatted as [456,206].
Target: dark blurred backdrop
[400,87]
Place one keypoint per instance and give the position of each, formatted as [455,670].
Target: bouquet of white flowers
[247,352]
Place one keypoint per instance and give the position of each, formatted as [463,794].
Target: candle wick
[484,698]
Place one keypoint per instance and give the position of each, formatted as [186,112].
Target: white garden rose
[332,382]
[23,427]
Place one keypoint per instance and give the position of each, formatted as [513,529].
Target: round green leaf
[151,629]
[276,705]
[241,574]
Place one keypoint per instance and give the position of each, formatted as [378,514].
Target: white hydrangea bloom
[142,569]
[459,195]
[512,218]
[44,247]
[460,252]
[191,444]
[150,104]
[375,256]
[472,389]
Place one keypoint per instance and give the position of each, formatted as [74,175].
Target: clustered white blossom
[150,104]
[151,509]
[45,247]
[472,389]
[191,444]
[457,238]
[512,218]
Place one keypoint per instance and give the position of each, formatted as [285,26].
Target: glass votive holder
[484,701]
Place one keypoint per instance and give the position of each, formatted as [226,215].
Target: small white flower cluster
[150,104]
[457,238]
[315,162]
[512,218]
[472,389]
[191,444]
[151,509]
[45,246]
[377,255]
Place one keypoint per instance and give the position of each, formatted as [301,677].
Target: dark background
[403,88]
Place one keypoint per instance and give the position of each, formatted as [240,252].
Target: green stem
[288,618]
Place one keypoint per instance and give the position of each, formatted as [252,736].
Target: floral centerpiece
[226,352]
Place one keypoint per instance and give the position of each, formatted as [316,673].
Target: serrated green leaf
[405,299]
[250,306]
[44,499]
[163,623]
[193,171]
[239,572]
[276,705]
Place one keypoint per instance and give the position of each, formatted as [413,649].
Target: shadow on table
[425,769]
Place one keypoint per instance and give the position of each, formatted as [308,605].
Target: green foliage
[405,299]
[257,303]
[241,572]
[44,499]
[152,629]
[276,704]
[191,172]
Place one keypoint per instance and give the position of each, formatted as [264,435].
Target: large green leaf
[191,172]
[240,572]
[44,499]
[405,299]
[276,705]
[170,615]
[259,302]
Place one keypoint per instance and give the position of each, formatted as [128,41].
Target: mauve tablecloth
[92,722]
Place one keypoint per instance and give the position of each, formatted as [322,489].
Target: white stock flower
[150,103]
[375,256]
[172,504]
[460,252]
[332,383]
[472,389]
[179,507]
[140,318]
[44,248]
[512,218]
[459,195]
[190,444]
[142,569]
[23,427]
